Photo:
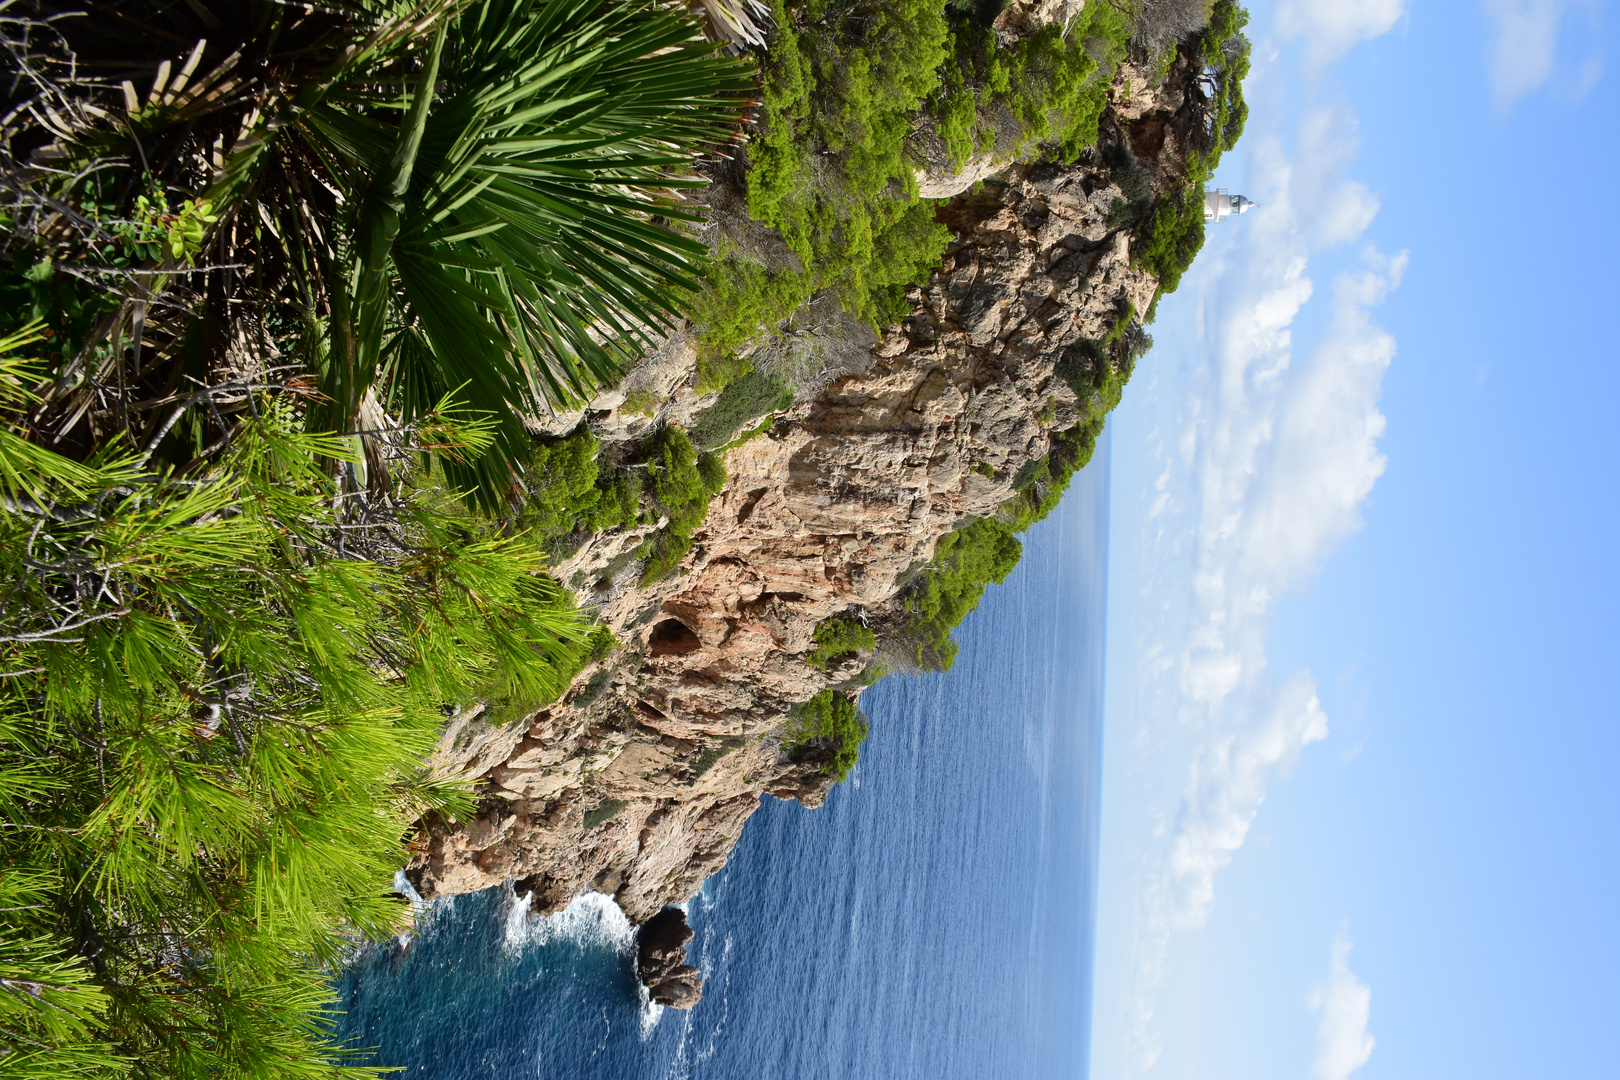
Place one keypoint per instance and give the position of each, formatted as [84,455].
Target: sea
[934,920]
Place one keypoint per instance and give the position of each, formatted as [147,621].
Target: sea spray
[517,918]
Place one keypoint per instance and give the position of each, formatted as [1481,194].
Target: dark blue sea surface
[933,920]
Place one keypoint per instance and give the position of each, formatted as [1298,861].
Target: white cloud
[1324,458]
[1345,1004]
[1525,55]
[1332,28]
[1227,785]
[1276,457]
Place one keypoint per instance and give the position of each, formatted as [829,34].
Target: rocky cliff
[640,780]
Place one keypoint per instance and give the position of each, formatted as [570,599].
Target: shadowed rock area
[661,960]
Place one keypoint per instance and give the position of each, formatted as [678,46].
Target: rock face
[639,781]
[661,960]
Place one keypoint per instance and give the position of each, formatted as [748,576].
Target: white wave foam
[651,1011]
[590,919]
[403,886]
[517,921]
[419,907]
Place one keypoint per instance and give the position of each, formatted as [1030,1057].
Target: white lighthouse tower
[1218,205]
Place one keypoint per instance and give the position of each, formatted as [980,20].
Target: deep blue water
[933,921]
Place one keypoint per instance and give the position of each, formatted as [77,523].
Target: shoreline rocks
[661,960]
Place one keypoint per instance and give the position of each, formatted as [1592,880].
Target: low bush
[981,553]
[1050,82]
[829,168]
[1173,236]
[1174,232]
[746,399]
[741,300]
[680,483]
[838,638]
[640,402]
[830,724]
[1042,487]
[561,491]
[603,812]
[1097,373]
[568,493]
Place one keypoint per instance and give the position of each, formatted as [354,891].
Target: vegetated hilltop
[367,502]
[873,481]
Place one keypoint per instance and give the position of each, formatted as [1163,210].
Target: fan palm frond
[400,196]
[540,244]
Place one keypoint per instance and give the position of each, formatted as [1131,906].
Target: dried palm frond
[741,23]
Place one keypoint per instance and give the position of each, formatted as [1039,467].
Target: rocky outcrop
[640,780]
[661,960]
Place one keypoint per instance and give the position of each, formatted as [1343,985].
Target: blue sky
[1361,815]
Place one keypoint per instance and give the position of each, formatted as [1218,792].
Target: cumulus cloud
[1278,454]
[1324,457]
[1524,56]
[1330,28]
[1227,785]
[1345,1005]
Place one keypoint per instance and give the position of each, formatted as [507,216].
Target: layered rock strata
[640,780]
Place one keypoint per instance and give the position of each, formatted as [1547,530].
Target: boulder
[661,960]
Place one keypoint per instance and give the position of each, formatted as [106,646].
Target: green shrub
[750,433]
[956,120]
[673,480]
[838,638]
[1047,479]
[1051,78]
[603,812]
[1049,81]
[746,399]
[601,642]
[827,722]
[712,471]
[829,168]
[566,492]
[739,301]
[640,402]
[594,689]
[680,484]
[1098,383]
[560,485]
[1174,232]
[1225,53]
[619,501]
[981,553]
[1173,236]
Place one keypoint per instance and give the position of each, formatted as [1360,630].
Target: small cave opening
[672,638]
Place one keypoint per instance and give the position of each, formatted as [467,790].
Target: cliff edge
[638,782]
